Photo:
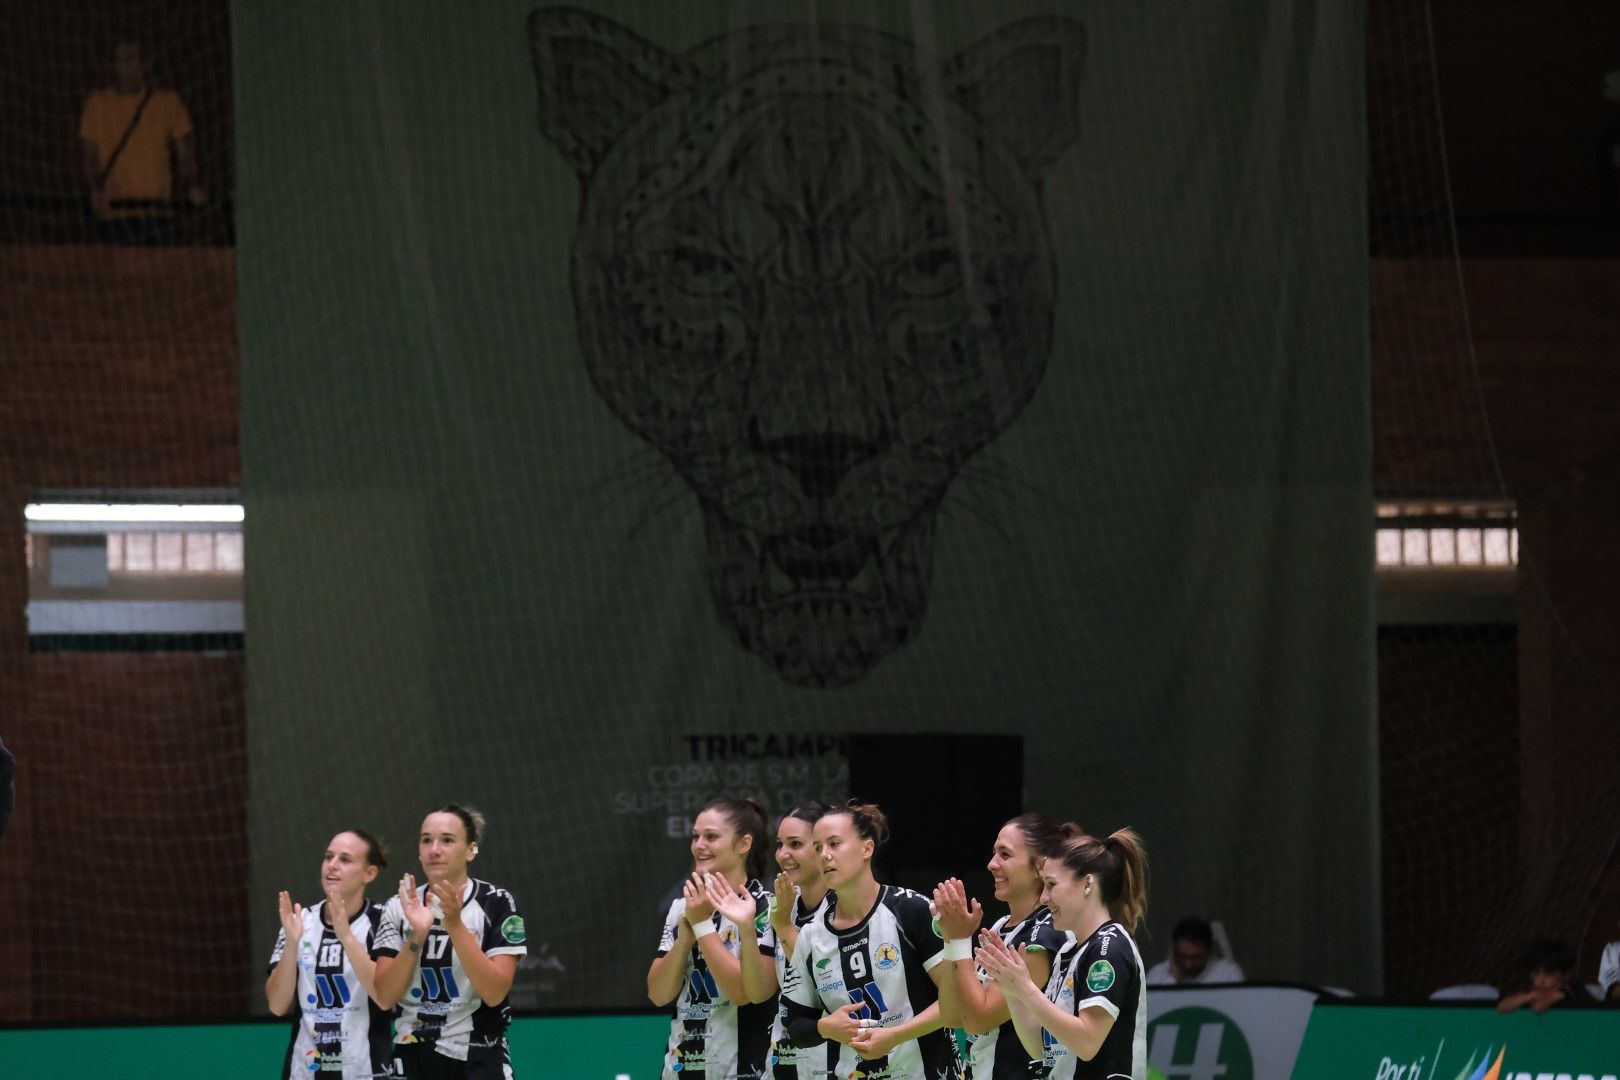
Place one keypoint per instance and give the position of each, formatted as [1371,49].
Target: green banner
[620,374]
[579,1048]
[1348,1042]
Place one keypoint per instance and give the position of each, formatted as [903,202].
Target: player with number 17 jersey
[442,1009]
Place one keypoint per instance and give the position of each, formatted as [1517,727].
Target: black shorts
[420,1061]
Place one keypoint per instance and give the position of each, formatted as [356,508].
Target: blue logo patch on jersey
[886,956]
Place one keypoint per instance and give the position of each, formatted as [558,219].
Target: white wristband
[702,930]
[958,949]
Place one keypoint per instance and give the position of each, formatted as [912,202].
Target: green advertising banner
[1226,1032]
[1350,1042]
[638,396]
[576,1048]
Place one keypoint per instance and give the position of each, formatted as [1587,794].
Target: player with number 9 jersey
[870,973]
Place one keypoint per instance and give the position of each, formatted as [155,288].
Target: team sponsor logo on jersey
[822,965]
[1099,976]
[886,956]
[512,930]
[728,936]
[688,1059]
[1067,990]
[763,919]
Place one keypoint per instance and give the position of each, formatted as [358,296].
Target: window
[1464,536]
[141,573]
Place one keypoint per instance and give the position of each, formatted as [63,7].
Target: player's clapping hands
[1005,966]
[292,920]
[732,901]
[785,896]
[417,914]
[338,912]
[958,918]
[696,892]
[449,899]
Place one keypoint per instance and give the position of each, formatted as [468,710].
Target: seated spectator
[1551,969]
[1191,961]
[126,136]
[1609,973]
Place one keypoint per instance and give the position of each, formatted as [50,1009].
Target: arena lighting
[124,513]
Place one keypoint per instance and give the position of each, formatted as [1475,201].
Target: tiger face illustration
[811,268]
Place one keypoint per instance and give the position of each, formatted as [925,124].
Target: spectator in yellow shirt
[127,135]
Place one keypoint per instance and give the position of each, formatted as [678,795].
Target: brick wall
[125,869]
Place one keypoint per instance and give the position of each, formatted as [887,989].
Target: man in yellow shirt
[127,135]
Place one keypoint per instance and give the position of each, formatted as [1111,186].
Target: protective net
[1497,827]
[641,405]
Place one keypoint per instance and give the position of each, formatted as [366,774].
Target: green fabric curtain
[615,378]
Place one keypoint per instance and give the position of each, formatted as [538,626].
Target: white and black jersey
[881,963]
[789,1062]
[441,1007]
[997,1054]
[1104,971]
[337,1028]
[710,1036]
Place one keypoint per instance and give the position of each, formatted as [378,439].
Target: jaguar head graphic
[811,269]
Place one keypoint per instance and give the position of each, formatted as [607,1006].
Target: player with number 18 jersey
[337,1030]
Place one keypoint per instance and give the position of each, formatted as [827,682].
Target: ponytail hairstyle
[1120,865]
[471,819]
[1043,836]
[747,817]
[376,850]
[869,820]
[809,812]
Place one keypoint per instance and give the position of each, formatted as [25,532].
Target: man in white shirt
[1192,961]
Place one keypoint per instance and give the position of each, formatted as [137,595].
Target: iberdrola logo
[1484,1068]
